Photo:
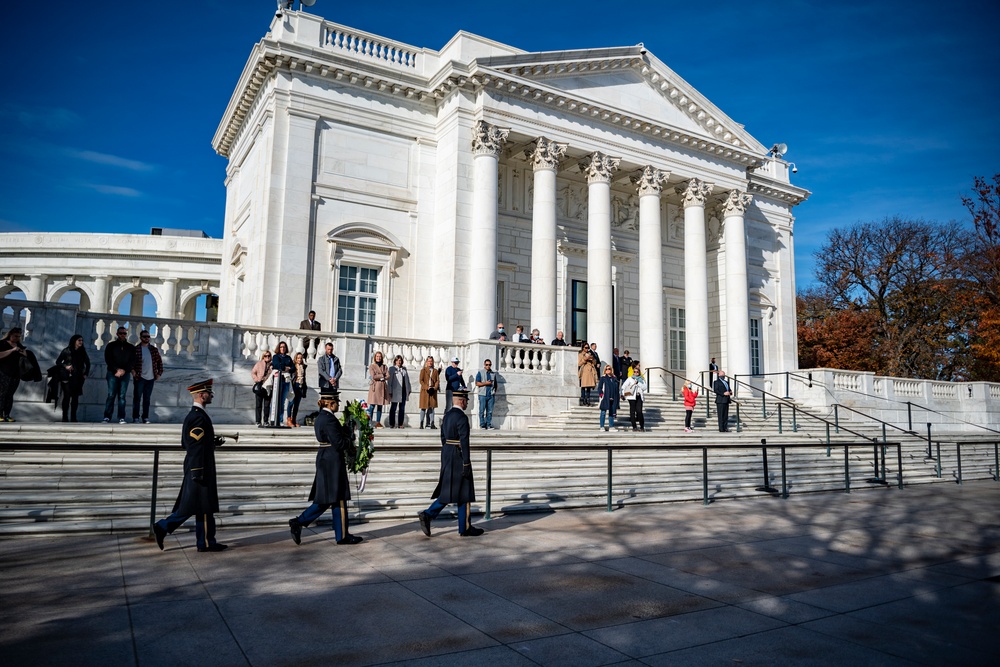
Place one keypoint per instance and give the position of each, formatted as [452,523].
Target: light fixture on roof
[778,150]
[287,4]
[795,169]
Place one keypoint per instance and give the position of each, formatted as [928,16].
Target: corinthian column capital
[598,167]
[736,203]
[695,192]
[546,154]
[650,180]
[488,139]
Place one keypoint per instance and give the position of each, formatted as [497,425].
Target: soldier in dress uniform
[455,484]
[199,495]
[331,488]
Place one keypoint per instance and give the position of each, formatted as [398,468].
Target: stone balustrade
[955,405]
[363,44]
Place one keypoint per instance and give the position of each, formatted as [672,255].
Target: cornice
[776,190]
[509,81]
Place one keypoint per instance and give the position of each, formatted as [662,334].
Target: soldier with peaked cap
[455,484]
[331,488]
[199,495]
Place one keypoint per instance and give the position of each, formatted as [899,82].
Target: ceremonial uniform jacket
[330,485]
[455,456]
[199,491]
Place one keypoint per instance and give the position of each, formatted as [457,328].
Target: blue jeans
[141,393]
[117,387]
[611,416]
[486,410]
[371,409]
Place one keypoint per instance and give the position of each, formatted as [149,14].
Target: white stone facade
[475,184]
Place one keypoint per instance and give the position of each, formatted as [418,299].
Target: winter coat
[378,384]
[690,397]
[430,379]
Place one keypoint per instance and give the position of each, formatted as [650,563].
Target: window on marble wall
[678,339]
[357,300]
[755,365]
[579,312]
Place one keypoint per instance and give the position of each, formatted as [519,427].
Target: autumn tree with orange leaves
[909,298]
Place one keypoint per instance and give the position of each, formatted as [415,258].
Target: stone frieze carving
[599,167]
[488,139]
[695,192]
[546,154]
[736,203]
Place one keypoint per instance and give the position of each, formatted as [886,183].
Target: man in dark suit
[199,495]
[713,369]
[455,483]
[723,397]
[331,488]
[311,324]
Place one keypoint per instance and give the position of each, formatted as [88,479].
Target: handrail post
[883,432]
[609,479]
[779,419]
[784,474]
[847,468]
[836,417]
[489,480]
[767,475]
[795,422]
[875,456]
[884,481]
[739,422]
[938,462]
[152,502]
[828,440]
[928,439]
[996,461]
[958,456]
[909,416]
[899,463]
[787,374]
[704,475]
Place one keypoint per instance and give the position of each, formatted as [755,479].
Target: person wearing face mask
[499,334]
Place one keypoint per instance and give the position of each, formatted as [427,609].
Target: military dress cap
[199,387]
[329,394]
[460,393]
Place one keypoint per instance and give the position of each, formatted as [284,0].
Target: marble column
[487,140]
[600,322]
[36,288]
[544,160]
[649,184]
[737,360]
[695,278]
[100,304]
[168,309]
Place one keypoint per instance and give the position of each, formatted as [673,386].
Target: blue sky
[888,108]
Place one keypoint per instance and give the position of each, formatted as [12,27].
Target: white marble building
[410,193]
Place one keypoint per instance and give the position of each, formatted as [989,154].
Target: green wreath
[362,437]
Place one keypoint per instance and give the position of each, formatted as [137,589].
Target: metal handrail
[155,449]
[783,447]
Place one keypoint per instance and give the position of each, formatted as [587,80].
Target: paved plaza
[884,577]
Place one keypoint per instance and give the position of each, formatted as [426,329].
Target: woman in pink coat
[690,396]
[378,388]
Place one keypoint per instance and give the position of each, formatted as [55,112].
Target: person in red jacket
[690,397]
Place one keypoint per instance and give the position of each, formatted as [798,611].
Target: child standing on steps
[690,397]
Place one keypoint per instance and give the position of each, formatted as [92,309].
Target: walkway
[882,577]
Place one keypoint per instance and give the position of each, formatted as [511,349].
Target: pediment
[627,82]
[627,91]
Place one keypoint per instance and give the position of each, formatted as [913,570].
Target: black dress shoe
[296,529]
[472,531]
[213,547]
[351,539]
[425,523]
[160,534]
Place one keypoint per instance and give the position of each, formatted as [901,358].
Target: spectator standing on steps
[632,391]
[74,367]
[723,397]
[690,393]
[146,370]
[119,355]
